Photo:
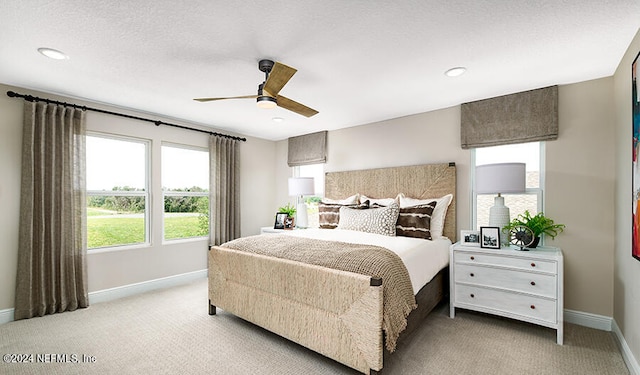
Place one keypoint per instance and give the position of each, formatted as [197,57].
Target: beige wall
[627,269]
[578,178]
[117,268]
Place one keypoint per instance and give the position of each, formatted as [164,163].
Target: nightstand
[271,230]
[523,285]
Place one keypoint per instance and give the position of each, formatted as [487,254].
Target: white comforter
[423,258]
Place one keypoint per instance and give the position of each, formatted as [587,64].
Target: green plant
[538,223]
[289,209]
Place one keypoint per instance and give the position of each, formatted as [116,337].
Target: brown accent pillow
[329,213]
[415,221]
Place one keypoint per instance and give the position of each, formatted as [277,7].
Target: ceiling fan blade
[230,97]
[296,107]
[278,77]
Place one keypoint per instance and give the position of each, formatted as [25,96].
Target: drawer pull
[533,264]
[533,283]
[472,296]
[473,258]
[533,307]
[471,274]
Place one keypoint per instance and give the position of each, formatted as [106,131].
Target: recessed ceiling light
[53,53]
[455,72]
[277,119]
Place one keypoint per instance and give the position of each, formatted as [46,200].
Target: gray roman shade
[517,118]
[308,149]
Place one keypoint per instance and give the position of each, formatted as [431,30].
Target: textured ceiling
[358,61]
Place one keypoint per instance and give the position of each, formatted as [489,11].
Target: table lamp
[299,187]
[500,179]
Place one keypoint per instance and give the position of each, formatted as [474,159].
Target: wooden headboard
[418,181]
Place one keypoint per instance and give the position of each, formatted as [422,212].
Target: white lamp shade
[501,178]
[299,186]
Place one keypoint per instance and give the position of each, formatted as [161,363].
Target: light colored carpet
[170,332]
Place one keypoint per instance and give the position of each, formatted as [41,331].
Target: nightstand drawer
[506,303]
[535,283]
[503,260]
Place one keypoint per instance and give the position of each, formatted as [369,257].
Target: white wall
[627,269]
[122,267]
[580,168]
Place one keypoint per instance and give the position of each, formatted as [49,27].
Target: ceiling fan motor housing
[265,65]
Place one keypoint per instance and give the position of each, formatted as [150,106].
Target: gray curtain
[527,116]
[224,175]
[307,149]
[52,273]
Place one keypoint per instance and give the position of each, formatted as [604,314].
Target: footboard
[335,313]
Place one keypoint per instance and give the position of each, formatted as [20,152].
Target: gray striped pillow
[415,221]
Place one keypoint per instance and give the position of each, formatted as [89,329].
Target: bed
[338,313]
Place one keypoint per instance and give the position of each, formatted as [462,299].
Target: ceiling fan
[276,76]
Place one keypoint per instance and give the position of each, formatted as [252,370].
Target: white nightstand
[523,285]
[271,230]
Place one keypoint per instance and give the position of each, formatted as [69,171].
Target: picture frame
[490,237]
[635,155]
[281,218]
[288,222]
[470,238]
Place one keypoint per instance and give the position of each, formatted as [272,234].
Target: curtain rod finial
[11,94]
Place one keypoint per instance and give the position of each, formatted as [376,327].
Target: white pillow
[351,200]
[439,213]
[373,220]
[379,201]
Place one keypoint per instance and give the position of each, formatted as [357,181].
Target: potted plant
[539,225]
[288,209]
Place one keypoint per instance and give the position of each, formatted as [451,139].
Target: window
[317,172]
[531,199]
[117,191]
[185,188]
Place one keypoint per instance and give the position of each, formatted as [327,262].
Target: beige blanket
[375,261]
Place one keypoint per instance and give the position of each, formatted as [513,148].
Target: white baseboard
[6,316]
[145,286]
[627,355]
[584,319]
[105,295]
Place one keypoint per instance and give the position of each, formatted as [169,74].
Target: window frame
[174,193]
[146,193]
[538,192]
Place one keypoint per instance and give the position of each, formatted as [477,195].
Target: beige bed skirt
[335,313]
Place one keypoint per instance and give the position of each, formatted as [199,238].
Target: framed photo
[281,218]
[288,223]
[490,237]
[470,238]
[635,172]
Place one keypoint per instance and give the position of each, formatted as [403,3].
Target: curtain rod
[31,98]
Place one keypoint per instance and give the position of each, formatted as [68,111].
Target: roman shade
[517,118]
[308,149]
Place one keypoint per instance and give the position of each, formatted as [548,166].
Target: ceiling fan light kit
[266,102]
[276,76]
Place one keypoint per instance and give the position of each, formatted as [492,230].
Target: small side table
[271,230]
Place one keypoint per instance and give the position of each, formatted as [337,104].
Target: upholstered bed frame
[335,313]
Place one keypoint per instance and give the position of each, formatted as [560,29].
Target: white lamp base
[499,216]
[302,219]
